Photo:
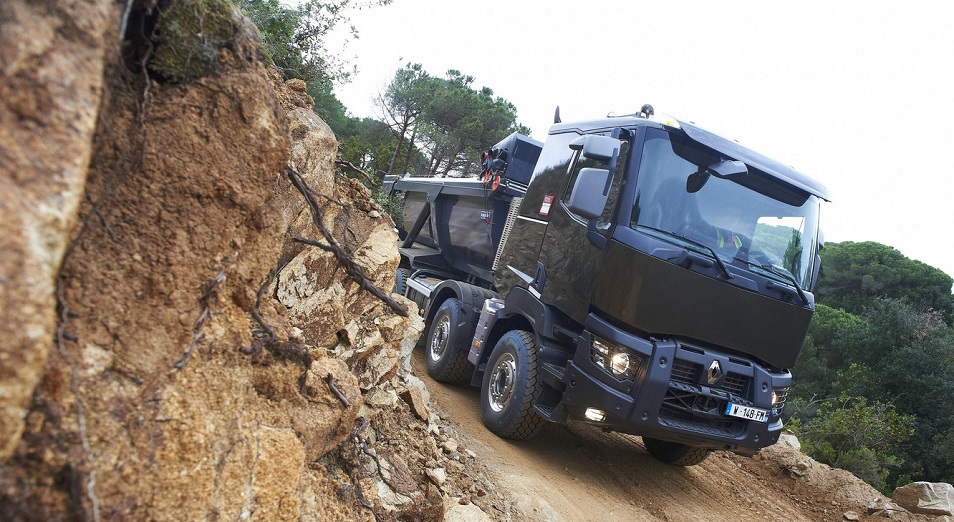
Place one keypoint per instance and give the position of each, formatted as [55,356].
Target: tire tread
[527,423]
[457,369]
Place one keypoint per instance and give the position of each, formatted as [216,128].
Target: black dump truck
[636,273]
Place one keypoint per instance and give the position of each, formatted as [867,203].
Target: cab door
[571,255]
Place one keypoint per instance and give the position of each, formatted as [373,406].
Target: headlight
[615,360]
[779,396]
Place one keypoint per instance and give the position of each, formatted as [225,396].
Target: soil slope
[575,472]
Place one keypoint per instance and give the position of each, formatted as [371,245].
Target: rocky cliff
[170,352]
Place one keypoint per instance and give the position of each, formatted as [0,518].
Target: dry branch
[334,389]
[354,168]
[351,267]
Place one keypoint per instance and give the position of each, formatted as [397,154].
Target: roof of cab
[728,147]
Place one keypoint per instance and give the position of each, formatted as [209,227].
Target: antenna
[556,115]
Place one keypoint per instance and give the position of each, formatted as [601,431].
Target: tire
[445,352]
[511,385]
[675,453]
[400,280]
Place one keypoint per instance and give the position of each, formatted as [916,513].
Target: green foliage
[857,435]
[295,38]
[855,273]
[443,123]
[832,332]
[891,353]
[392,205]
[368,144]
[793,253]
[189,36]
[770,238]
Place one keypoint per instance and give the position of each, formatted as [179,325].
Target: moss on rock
[190,35]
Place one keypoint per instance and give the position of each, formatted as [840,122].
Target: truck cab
[652,278]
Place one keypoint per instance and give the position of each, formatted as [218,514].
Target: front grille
[686,407]
[689,372]
[736,384]
[685,371]
[679,410]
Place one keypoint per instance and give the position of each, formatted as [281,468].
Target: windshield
[749,220]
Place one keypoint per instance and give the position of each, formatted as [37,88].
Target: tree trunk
[400,142]
[410,150]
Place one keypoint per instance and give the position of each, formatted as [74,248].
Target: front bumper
[671,397]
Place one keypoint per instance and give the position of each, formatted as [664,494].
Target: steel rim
[439,340]
[502,381]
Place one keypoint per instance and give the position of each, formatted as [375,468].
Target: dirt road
[577,473]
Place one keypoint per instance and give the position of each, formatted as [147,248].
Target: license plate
[746,412]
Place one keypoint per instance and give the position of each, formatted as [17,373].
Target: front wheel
[675,453]
[510,386]
[446,351]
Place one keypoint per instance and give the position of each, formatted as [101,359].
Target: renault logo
[715,372]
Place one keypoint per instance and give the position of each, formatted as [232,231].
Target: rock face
[164,397]
[929,498]
[50,86]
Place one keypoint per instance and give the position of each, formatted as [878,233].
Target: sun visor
[769,166]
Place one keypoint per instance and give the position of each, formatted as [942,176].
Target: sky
[858,95]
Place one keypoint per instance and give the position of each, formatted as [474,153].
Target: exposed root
[269,334]
[209,295]
[61,337]
[334,389]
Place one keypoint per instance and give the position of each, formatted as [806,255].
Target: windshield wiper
[781,273]
[695,243]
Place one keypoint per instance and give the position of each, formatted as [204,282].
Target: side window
[550,174]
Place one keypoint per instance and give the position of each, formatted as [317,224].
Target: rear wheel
[675,453]
[400,280]
[511,385]
[446,350]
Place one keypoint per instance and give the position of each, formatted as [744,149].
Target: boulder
[929,498]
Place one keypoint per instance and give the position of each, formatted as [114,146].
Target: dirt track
[574,472]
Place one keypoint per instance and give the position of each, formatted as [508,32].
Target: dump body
[462,219]
[663,271]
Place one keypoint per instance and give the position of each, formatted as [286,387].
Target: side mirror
[588,197]
[596,147]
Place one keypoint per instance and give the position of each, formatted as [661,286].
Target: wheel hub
[439,339]
[502,379]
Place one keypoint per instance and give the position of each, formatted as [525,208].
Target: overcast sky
[859,95]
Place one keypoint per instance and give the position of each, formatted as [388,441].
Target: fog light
[595,415]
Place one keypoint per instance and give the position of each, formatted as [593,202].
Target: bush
[861,437]
[392,205]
